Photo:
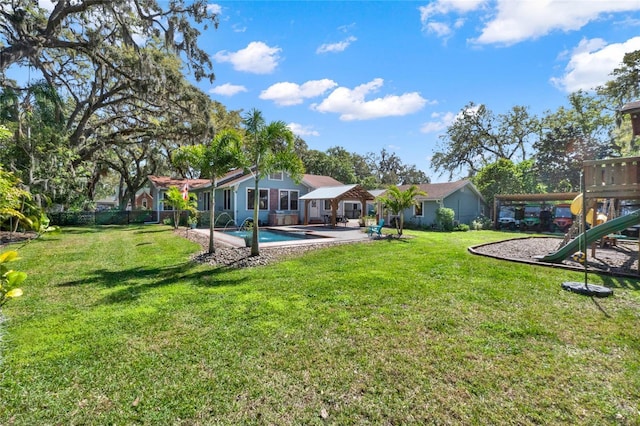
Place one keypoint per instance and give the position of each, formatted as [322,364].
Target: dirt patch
[618,259]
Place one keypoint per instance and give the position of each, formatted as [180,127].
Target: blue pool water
[271,236]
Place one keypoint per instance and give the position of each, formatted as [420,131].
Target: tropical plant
[12,198]
[9,279]
[397,201]
[211,161]
[175,199]
[268,148]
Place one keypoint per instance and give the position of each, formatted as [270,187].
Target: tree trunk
[255,250]
[212,217]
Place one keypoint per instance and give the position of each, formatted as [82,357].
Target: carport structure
[336,194]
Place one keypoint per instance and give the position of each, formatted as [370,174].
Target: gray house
[461,196]
[279,196]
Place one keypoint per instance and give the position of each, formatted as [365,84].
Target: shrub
[462,227]
[444,218]
[481,222]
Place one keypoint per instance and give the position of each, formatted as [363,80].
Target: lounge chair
[376,229]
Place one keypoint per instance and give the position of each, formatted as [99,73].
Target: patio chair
[376,229]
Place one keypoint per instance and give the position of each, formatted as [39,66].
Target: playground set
[608,181]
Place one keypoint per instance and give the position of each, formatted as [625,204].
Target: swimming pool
[273,236]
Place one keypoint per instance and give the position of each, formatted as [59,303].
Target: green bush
[444,218]
[462,227]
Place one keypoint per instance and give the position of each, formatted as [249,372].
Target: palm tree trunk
[255,250]
[212,217]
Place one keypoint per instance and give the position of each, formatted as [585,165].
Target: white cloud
[439,28]
[336,47]
[592,62]
[302,130]
[441,7]
[237,28]
[442,28]
[441,120]
[227,89]
[512,21]
[256,58]
[214,8]
[287,94]
[351,103]
[516,21]
[46,4]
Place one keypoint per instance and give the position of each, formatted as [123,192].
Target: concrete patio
[341,233]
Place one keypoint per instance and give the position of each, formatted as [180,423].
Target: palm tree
[397,201]
[211,161]
[268,148]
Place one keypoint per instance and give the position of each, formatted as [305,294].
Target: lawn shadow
[139,280]
[626,283]
[154,230]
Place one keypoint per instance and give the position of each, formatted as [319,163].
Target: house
[279,197]
[460,196]
[144,200]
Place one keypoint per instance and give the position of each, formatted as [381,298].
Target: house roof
[237,176]
[439,191]
[319,181]
[165,182]
[342,192]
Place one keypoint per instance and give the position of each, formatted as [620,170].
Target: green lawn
[117,327]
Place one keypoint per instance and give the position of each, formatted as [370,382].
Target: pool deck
[342,233]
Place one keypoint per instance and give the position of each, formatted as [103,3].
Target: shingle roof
[318,181]
[438,191]
[342,192]
[165,182]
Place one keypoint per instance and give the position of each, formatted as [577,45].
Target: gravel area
[232,257]
[620,259]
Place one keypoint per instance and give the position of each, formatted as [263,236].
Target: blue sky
[393,75]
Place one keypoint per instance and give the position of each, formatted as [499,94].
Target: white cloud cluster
[256,58]
[443,26]
[512,21]
[46,4]
[336,47]
[302,130]
[214,8]
[227,89]
[592,62]
[440,121]
[352,105]
[287,94]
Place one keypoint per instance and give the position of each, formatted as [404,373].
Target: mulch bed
[621,259]
[15,237]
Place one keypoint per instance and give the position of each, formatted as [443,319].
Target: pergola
[336,194]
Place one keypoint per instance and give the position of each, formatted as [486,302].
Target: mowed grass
[116,326]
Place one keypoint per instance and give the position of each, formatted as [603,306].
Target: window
[417,209]
[226,199]
[327,204]
[144,203]
[206,201]
[263,201]
[288,200]
[275,176]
